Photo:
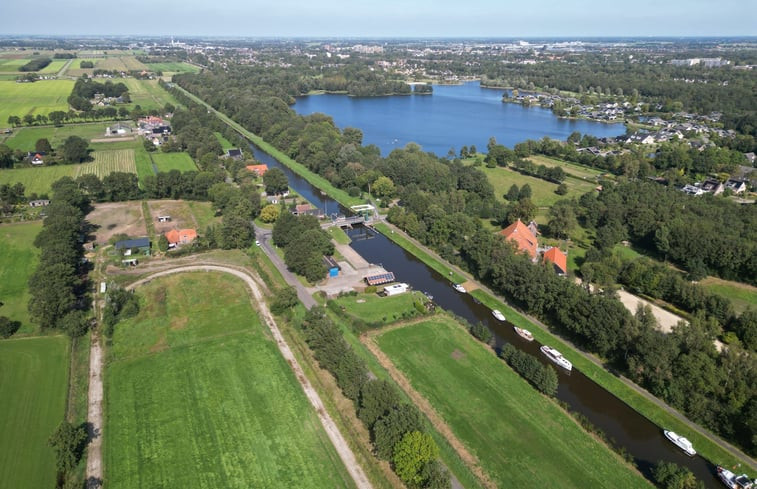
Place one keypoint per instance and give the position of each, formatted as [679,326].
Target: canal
[623,426]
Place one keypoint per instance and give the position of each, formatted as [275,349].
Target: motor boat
[681,442]
[557,357]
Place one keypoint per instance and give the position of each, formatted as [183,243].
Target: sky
[384,18]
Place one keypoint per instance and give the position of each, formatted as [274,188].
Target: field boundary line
[425,406]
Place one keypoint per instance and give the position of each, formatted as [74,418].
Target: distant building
[523,238]
[558,259]
[128,246]
[712,186]
[737,186]
[259,170]
[181,236]
[234,153]
[37,160]
[39,203]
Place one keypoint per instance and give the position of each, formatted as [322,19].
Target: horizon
[393,19]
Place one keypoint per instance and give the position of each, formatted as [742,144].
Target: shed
[141,244]
[164,218]
[395,289]
[381,278]
[332,265]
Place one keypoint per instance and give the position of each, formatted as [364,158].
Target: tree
[163,243]
[28,119]
[275,181]
[42,146]
[383,187]
[14,120]
[671,476]
[513,193]
[389,429]
[284,300]
[75,323]
[377,398]
[74,149]
[270,213]
[68,444]
[525,192]
[435,476]
[561,189]
[8,327]
[411,454]
[562,219]
[6,157]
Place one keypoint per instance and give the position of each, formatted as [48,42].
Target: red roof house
[523,238]
[558,259]
[181,236]
[259,169]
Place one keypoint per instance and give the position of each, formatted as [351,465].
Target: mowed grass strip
[40,97]
[107,162]
[18,258]
[37,180]
[522,438]
[174,161]
[33,385]
[202,398]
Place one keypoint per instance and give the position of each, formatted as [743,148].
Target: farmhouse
[234,153]
[128,246]
[558,259]
[738,186]
[523,238]
[37,159]
[259,170]
[118,129]
[181,236]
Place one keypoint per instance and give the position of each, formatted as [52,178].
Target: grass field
[37,180]
[175,67]
[572,169]
[54,67]
[40,97]
[33,384]
[147,93]
[24,138]
[373,308]
[522,438]
[107,162]
[18,257]
[204,214]
[543,192]
[743,296]
[143,163]
[12,64]
[174,161]
[225,144]
[199,396]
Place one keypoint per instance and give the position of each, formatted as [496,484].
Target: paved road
[264,237]
[340,444]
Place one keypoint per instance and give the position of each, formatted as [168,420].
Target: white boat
[524,333]
[734,481]
[557,357]
[681,442]
[497,314]
[459,288]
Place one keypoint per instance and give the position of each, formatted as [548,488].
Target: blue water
[453,117]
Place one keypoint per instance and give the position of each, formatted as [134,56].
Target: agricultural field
[107,162]
[175,67]
[24,138]
[743,296]
[12,64]
[37,180]
[119,63]
[199,396]
[543,192]
[147,93]
[204,214]
[54,67]
[143,162]
[116,218]
[40,97]
[174,161]
[18,258]
[521,438]
[33,385]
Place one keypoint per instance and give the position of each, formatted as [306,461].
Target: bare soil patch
[181,215]
[457,354]
[117,218]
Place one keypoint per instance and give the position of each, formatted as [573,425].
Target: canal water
[454,116]
[623,426]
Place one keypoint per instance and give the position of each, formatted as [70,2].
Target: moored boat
[557,357]
[497,314]
[459,288]
[524,333]
[734,481]
[681,442]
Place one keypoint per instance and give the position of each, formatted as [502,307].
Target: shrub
[543,377]
[481,332]
[8,327]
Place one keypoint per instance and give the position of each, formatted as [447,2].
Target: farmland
[41,97]
[25,137]
[199,396]
[18,258]
[175,67]
[143,163]
[174,161]
[107,162]
[37,180]
[534,445]
[147,93]
[33,383]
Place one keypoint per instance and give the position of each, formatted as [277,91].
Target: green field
[174,161]
[543,192]
[572,169]
[107,162]
[373,308]
[37,180]
[175,67]
[198,396]
[40,97]
[12,64]
[18,258]
[54,67]
[225,144]
[147,93]
[24,138]
[33,384]
[743,296]
[143,163]
[522,438]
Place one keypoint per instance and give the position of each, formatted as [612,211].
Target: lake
[453,117]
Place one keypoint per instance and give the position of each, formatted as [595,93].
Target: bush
[543,377]
[481,332]
[8,327]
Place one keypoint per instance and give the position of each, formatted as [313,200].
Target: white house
[395,289]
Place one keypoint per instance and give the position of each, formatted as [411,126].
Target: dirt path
[94,472]
[340,444]
[424,405]
[665,319]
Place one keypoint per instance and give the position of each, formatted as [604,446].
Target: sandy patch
[117,218]
[665,319]
[181,215]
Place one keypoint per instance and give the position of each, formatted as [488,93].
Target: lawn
[33,384]
[204,214]
[37,180]
[522,438]
[18,257]
[573,169]
[543,192]
[107,162]
[143,163]
[40,97]
[225,144]
[24,138]
[147,93]
[174,161]
[175,67]
[198,396]
[743,296]
[373,308]
[12,64]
